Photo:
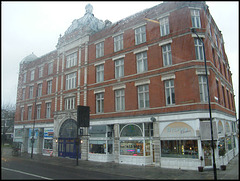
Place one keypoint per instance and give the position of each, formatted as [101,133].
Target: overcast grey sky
[35,27]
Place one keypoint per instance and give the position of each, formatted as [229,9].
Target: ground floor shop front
[168,141]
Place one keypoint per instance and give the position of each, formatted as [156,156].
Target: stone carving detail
[87,23]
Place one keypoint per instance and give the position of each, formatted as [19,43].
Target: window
[216,41]
[23,94]
[70,103]
[71,81]
[49,87]
[99,49]
[120,100]
[29,113]
[118,43]
[141,62]
[143,96]
[140,35]
[22,113]
[203,88]
[195,16]
[198,49]
[119,68]
[167,55]
[71,60]
[100,73]
[50,68]
[218,95]
[164,26]
[131,148]
[224,99]
[40,72]
[38,111]
[24,77]
[32,75]
[100,103]
[169,92]
[179,148]
[39,90]
[30,92]
[48,110]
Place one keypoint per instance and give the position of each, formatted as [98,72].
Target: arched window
[131,130]
[68,129]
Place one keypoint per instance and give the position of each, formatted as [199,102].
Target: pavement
[144,172]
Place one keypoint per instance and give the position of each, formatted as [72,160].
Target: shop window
[48,144]
[221,147]
[229,143]
[18,133]
[97,147]
[147,148]
[131,130]
[148,129]
[179,148]
[132,148]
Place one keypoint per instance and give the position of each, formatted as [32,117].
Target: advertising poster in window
[48,141]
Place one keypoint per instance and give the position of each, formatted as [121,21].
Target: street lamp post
[34,117]
[209,104]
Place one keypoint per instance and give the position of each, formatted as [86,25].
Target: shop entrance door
[207,156]
[67,148]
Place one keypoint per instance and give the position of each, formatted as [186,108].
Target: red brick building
[144,80]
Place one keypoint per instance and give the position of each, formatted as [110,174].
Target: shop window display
[101,139]
[229,142]
[132,148]
[179,148]
[221,147]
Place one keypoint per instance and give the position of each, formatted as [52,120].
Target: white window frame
[48,110]
[140,35]
[143,95]
[22,113]
[120,100]
[38,111]
[198,49]
[167,55]
[99,102]
[49,87]
[142,64]
[119,68]
[29,113]
[40,72]
[50,68]
[118,43]
[195,17]
[30,92]
[100,73]
[202,79]
[70,103]
[23,93]
[169,92]
[39,90]
[100,49]
[71,81]
[164,26]
[32,75]
[71,60]
[25,77]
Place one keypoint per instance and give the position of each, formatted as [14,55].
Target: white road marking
[26,173]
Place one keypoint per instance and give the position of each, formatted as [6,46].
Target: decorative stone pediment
[88,24]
